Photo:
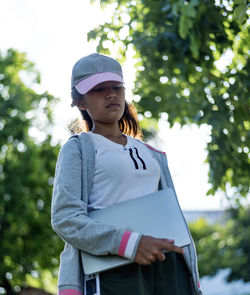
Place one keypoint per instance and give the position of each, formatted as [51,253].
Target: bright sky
[53,33]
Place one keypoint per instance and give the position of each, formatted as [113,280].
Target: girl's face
[105,102]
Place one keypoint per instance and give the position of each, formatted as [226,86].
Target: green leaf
[194,46]
[184,26]
[240,1]
[239,12]
[190,11]
[194,3]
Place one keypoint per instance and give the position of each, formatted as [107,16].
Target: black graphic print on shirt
[136,157]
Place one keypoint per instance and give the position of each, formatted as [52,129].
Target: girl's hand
[151,249]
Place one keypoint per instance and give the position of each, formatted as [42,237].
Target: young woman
[104,166]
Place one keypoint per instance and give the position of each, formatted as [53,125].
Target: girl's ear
[81,105]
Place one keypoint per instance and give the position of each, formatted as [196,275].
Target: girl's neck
[107,131]
[114,134]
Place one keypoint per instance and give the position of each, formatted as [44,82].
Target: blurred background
[186,68]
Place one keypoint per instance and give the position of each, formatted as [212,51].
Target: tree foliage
[179,47]
[224,245]
[27,242]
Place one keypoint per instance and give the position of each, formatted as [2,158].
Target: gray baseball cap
[94,69]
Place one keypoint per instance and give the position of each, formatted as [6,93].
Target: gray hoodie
[72,184]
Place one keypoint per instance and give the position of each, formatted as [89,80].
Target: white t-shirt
[121,172]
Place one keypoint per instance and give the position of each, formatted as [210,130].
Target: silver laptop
[157,214]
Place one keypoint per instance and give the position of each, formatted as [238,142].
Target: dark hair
[128,123]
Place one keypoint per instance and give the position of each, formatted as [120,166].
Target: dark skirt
[170,277]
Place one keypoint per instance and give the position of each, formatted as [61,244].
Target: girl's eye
[97,89]
[100,89]
[117,87]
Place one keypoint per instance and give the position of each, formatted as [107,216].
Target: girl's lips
[112,105]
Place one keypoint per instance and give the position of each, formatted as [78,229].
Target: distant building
[212,216]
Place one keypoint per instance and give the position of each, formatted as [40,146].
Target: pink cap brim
[87,84]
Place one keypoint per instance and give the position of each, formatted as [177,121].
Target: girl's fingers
[169,245]
[161,256]
[151,249]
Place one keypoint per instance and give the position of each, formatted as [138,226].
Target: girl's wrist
[128,245]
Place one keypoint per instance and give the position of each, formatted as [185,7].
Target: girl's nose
[110,92]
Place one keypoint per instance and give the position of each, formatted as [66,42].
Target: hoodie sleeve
[69,212]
